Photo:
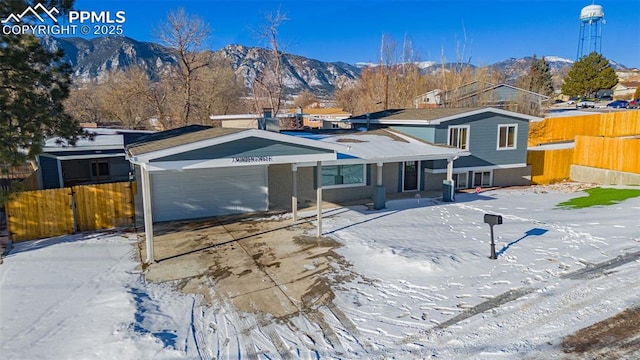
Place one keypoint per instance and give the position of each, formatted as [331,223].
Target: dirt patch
[613,338]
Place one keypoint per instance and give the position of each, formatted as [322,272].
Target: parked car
[585,103]
[634,104]
[618,104]
[606,97]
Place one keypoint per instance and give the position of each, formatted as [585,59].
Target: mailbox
[492,219]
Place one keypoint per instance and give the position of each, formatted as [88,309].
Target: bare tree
[220,91]
[83,102]
[185,34]
[268,84]
[125,98]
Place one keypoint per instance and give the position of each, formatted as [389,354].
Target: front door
[411,176]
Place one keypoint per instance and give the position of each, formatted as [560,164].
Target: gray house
[89,161]
[191,173]
[496,139]
[484,94]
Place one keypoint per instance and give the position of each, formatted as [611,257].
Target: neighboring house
[484,94]
[90,161]
[325,118]
[428,100]
[496,139]
[625,89]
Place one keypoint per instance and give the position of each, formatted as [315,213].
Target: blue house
[496,139]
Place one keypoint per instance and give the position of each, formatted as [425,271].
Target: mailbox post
[492,219]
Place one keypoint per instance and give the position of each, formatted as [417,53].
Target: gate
[54,212]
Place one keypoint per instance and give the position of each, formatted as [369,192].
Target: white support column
[450,169]
[294,197]
[148,220]
[319,197]
[379,178]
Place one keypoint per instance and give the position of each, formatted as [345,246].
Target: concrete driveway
[265,265]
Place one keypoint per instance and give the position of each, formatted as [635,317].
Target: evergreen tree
[33,85]
[538,79]
[588,75]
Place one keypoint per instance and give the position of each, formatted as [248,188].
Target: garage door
[191,194]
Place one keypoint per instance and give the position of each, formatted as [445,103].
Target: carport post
[319,197]
[450,169]
[294,197]
[148,220]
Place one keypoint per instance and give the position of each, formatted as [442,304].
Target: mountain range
[94,58]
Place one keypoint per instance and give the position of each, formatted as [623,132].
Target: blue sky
[351,30]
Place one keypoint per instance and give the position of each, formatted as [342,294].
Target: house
[481,93]
[196,173]
[427,100]
[90,161]
[625,89]
[496,139]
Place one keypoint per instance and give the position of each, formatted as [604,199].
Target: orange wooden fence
[549,166]
[46,213]
[619,154]
[558,129]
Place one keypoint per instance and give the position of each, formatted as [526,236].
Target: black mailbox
[492,219]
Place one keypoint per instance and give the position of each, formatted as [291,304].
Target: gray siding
[49,172]
[251,146]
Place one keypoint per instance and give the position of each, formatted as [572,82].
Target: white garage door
[191,194]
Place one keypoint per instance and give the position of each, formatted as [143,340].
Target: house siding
[251,146]
[421,132]
[483,142]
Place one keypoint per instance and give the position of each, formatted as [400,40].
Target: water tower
[591,22]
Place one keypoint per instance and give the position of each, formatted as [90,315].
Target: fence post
[74,210]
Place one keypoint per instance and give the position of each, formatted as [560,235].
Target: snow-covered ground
[419,285]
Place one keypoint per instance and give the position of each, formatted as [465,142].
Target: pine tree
[588,75]
[33,85]
[538,79]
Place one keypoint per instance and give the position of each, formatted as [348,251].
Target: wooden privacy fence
[619,154]
[46,213]
[566,128]
[550,166]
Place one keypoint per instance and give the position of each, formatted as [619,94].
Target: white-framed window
[460,180]
[482,178]
[507,136]
[458,136]
[337,176]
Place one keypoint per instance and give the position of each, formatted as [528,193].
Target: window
[507,136]
[460,180]
[343,175]
[99,168]
[482,178]
[459,137]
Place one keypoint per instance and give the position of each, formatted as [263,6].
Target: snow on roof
[384,145]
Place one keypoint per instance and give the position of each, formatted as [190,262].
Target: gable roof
[213,136]
[176,137]
[430,116]
[477,87]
